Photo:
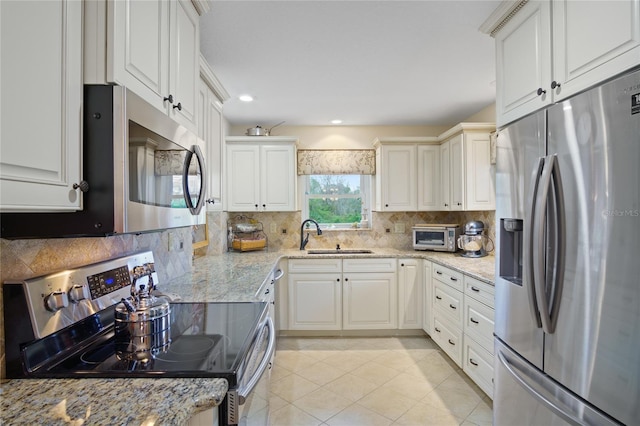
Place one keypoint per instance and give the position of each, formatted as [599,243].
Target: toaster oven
[437,237]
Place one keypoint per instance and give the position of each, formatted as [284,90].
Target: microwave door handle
[194,210]
[530,243]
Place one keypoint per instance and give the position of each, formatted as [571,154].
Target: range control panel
[58,300]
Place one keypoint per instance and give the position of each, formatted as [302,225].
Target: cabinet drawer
[315,265]
[478,364]
[479,290]
[369,265]
[448,276]
[448,302]
[479,322]
[449,338]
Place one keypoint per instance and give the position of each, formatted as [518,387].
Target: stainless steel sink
[340,251]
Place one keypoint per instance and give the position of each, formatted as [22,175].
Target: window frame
[366,189]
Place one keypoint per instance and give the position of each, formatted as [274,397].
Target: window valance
[337,162]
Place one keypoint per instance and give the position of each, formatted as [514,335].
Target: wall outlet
[284,231]
[387,230]
[398,228]
[273,228]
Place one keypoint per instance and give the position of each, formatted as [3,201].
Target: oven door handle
[244,391]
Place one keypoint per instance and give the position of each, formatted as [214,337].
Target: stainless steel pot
[261,131]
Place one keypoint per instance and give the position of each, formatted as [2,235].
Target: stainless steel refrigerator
[567,326]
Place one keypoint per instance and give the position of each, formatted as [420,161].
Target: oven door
[430,239]
[248,404]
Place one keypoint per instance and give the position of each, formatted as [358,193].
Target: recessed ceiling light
[336,121]
[245,98]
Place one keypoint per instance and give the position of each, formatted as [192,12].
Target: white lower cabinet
[315,301]
[427,292]
[410,289]
[337,294]
[478,364]
[463,322]
[369,301]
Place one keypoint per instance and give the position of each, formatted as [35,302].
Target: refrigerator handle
[530,243]
[544,302]
[530,384]
[561,238]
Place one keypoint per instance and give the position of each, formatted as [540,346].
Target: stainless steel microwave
[143,172]
[437,237]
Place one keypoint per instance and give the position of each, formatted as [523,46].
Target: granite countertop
[230,277]
[107,401]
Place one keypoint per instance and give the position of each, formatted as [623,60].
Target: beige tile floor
[371,381]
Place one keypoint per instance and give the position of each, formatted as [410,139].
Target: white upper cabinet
[397,184]
[467,175]
[260,174]
[211,95]
[407,174]
[152,47]
[552,49]
[428,177]
[41,83]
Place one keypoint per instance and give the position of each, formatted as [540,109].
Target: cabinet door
[184,68]
[210,130]
[480,188]
[398,178]
[427,311]
[410,297]
[445,181]
[138,48]
[428,177]
[277,182]
[315,301]
[457,173]
[41,86]
[523,62]
[593,41]
[243,174]
[370,301]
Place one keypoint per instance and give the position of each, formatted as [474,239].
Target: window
[338,201]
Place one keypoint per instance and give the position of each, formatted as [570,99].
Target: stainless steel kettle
[142,323]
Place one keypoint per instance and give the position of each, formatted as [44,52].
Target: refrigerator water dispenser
[511,250]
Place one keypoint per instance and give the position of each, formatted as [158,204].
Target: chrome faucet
[303,242]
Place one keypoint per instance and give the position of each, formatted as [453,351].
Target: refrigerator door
[524,395]
[519,149]
[595,348]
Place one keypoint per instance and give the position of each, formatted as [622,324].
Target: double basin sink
[339,251]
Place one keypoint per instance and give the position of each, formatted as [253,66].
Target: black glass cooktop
[207,340]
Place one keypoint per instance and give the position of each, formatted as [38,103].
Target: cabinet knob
[82,186]
[446,205]
[554,84]
[402,264]
[211,201]
[386,205]
[256,207]
[541,92]
[338,279]
[346,279]
[178,107]
[168,98]
[264,206]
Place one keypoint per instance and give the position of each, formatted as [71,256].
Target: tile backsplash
[383,233]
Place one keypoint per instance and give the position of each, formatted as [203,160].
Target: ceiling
[364,62]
